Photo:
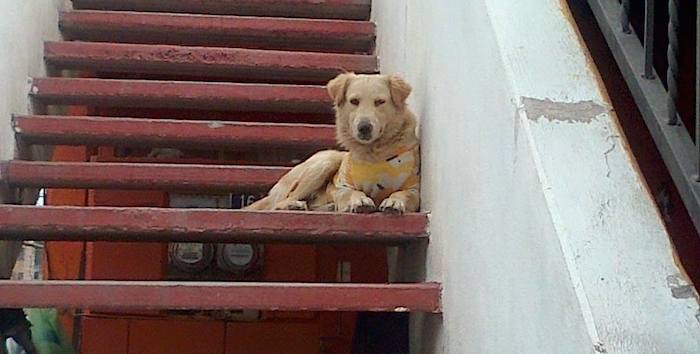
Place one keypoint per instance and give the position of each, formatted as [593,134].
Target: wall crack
[612,139]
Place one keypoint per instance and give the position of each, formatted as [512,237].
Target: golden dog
[381,166]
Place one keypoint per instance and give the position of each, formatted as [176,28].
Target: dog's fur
[374,103]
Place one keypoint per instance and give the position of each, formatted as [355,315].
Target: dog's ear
[399,89]
[337,87]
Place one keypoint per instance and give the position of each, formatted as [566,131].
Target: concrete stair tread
[132,224]
[220,63]
[219,31]
[85,130]
[140,176]
[157,295]
[338,9]
[182,95]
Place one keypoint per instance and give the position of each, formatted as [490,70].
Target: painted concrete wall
[542,232]
[25,25]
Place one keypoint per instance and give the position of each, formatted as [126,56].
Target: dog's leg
[315,176]
[301,183]
[262,204]
[279,191]
[401,202]
[289,204]
[407,198]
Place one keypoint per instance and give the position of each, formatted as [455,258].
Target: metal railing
[658,104]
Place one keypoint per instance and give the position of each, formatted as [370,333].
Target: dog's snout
[365,130]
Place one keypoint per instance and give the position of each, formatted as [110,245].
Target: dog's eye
[355,101]
[379,102]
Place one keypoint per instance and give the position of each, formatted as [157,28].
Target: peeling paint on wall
[680,287]
[599,348]
[577,112]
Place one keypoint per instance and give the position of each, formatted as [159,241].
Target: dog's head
[368,107]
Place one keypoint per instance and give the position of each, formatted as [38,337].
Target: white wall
[24,26]
[542,232]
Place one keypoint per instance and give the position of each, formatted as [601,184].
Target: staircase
[226,75]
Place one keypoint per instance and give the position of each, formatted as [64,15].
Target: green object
[48,334]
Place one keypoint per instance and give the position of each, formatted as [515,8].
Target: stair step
[74,130]
[182,95]
[205,225]
[338,9]
[145,295]
[221,63]
[219,31]
[140,176]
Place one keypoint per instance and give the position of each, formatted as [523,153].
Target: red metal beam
[182,95]
[235,63]
[219,31]
[421,297]
[205,225]
[340,9]
[141,176]
[71,130]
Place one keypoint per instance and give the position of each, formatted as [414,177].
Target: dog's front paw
[393,206]
[292,205]
[361,205]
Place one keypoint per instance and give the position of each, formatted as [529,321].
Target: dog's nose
[365,130]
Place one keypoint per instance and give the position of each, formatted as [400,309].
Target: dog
[381,167]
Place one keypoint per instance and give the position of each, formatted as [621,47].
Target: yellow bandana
[400,171]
